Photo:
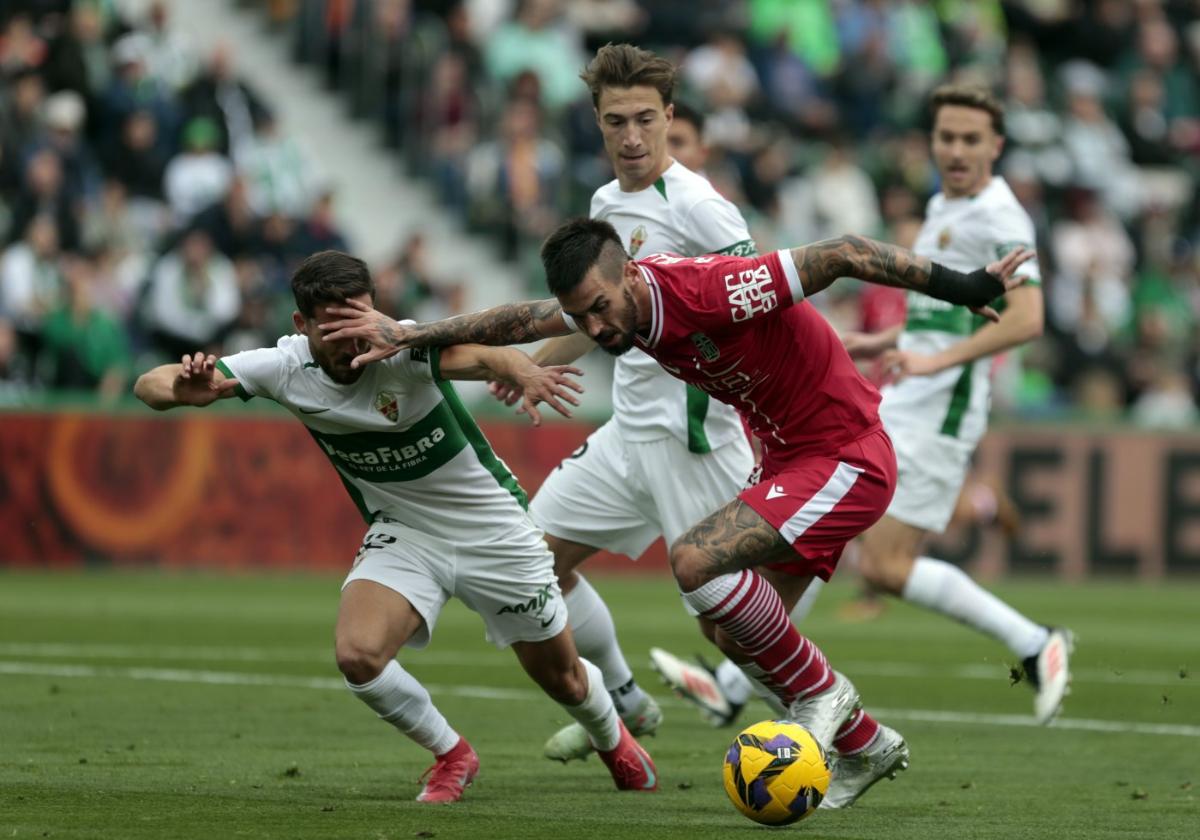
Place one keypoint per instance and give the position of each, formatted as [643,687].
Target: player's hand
[862,345]
[505,392]
[901,364]
[1002,269]
[552,385]
[195,383]
[362,321]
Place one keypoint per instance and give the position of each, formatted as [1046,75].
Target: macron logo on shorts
[775,492]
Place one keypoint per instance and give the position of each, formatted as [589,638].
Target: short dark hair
[569,253]
[968,96]
[625,66]
[687,113]
[329,277]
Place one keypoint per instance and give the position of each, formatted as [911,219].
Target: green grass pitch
[162,706]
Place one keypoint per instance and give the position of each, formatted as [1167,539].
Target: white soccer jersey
[680,214]
[400,439]
[964,234]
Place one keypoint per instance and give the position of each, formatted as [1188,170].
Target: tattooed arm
[821,263]
[513,323]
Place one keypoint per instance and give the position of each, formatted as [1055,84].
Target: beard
[627,329]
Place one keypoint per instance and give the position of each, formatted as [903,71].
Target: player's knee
[688,565]
[359,661]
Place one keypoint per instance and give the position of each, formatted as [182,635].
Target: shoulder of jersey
[689,188]
[605,195]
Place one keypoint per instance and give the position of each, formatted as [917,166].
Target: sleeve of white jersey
[259,373]
[716,226]
[1010,229]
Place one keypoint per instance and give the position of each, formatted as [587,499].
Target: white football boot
[823,714]
[883,758]
[1049,673]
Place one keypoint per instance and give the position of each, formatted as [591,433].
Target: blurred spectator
[231,222]
[83,346]
[14,371]
[452,111]
[407,289]
[229,103]
[137,158]
[537,39]
[63,114]
[79,58]
[169,57]
[192,299]
[514,181]
[199,174]
[31,285]
[131,89]
[1098,151]
[319,230]
[21,101]
[278,174]
[1088,295]
[45,194]
[719,71]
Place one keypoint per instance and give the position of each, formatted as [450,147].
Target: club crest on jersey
[944,239]
[637,239]
[705,346]
[387,405]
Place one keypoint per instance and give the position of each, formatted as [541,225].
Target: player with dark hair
[741,329]
[445,516]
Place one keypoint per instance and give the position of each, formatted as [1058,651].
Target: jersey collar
[654,333]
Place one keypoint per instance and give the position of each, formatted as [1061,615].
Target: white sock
[398,698]
[939,586]
[597,714]
[596,640]
[739,688]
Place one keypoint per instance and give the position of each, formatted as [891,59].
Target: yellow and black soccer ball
[775,772]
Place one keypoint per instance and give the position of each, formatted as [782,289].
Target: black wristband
[975,289]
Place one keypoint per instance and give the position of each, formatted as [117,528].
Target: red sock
[754,616]
[460,747]
[856,733]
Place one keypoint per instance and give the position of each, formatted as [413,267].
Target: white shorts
[621,496]
[509,582]
[930,470]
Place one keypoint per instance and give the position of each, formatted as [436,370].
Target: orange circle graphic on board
[147,512]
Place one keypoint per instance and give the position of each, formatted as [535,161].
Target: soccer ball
[775,772]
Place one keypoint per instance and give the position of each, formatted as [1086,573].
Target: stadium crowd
[150,205]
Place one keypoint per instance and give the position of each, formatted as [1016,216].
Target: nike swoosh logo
[546,623]
[314,411]
[651,778]
[775,492]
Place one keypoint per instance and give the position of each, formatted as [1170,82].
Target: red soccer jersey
[739,329]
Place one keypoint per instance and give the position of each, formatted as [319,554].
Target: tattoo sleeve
[734,538]
[513,323]
[823,262]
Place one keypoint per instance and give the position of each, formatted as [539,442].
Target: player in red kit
[740,329]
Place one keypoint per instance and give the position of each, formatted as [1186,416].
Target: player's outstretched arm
[512,323]
[551,384]
[821,263]
[195,381]
[1022,320]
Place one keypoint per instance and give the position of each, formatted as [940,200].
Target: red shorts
[820,503]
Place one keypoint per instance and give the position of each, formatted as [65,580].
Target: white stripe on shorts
[823,501]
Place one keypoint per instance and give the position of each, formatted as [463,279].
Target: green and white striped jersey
[400,439]
[964,234]
[680,214]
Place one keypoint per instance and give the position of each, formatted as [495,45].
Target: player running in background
[741,329]
[619,491]
[445,516]
[936,408]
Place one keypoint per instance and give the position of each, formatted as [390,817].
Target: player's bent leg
[578,687]
[568,556]
[373,623]
[889,550]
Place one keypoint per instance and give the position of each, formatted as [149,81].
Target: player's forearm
[563,350]
[155,387]
[513,323]
[1020,322]
[506,364]
[823,262]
